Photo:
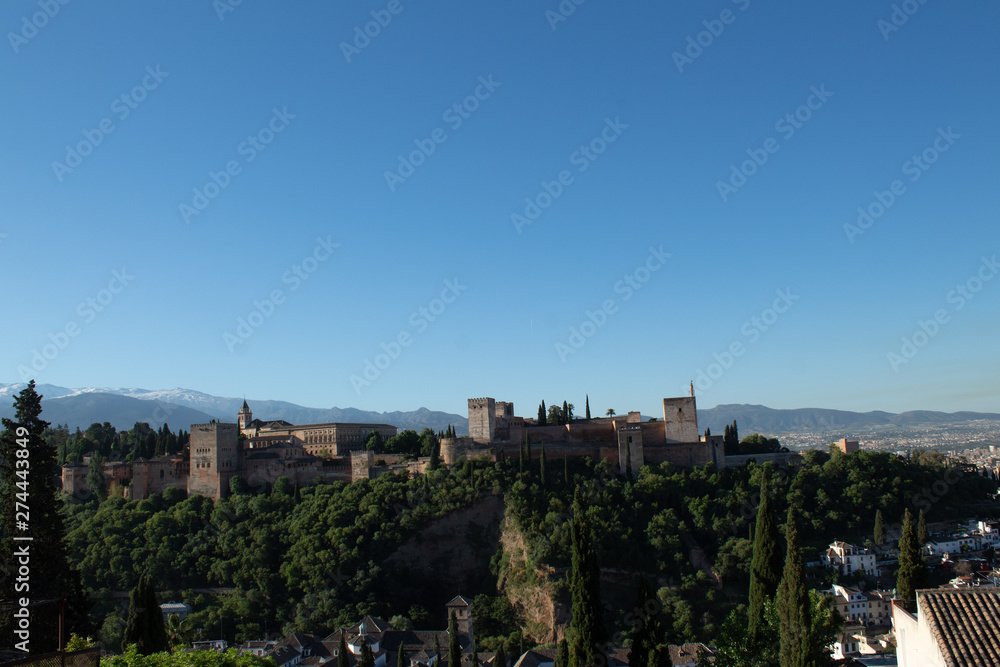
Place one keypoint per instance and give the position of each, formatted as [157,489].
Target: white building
[848,559]
[864,607]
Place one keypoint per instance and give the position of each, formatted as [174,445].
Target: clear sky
[659,178]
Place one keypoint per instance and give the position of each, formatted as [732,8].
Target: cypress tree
[646,637]
[794,613]
[566,470]
[500,660]
[541,465]
[367,659]
[437,647]
[565,413]
[735,434]
[342,659]
[454,648]
[628,459]
[435,461]
[401,657]
[765,569]
[28,470]
[922,529]
[879,528]
[144,626]
[542,415]
[562,658]
[587,622]
[586,407]
[912,571]
[527,450]
[95,476]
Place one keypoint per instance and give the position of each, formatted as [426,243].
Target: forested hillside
[314,559]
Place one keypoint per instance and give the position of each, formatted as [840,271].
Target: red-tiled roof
[965,623]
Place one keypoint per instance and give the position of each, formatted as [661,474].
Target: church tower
[245,417]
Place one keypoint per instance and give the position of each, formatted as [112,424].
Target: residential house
[848,559]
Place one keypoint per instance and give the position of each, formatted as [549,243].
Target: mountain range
[182,407]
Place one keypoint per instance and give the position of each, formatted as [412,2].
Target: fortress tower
[680,420]
[483,419]
[214,458]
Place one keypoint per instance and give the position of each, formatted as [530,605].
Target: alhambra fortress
[260,452]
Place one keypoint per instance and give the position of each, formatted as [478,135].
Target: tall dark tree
[586,407]
[765,568]
[735,433]
[542,414]
[587,623]
[562,657]
[342,659]
[793,605]
[435,461]
[454,647]
[628,459]
[648,635]
[28,471]
[879,528]
[367,658]
[144,626]
[401,657]
[566,470]
[912,573]
[527,450]
[566,413]
[922,528]
[541,466]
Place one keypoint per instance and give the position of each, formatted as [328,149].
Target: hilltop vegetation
[314,559]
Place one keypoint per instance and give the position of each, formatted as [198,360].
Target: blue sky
[612,122]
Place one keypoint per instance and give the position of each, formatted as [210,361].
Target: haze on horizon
[789,206]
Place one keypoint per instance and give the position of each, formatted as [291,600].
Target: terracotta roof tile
[965,623]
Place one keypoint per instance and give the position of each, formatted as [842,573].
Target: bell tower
[245,417]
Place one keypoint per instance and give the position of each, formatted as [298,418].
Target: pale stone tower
[482,419]
[245,417]
[463,616]
[214,458]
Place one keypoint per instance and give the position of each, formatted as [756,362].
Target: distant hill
[124,407]
[123,412]
[762,419]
